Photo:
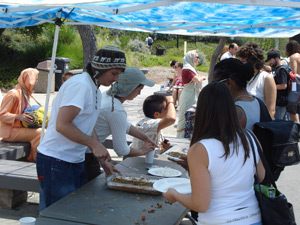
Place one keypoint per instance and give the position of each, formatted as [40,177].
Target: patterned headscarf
[189,61]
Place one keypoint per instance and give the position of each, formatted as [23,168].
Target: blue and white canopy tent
[233,18]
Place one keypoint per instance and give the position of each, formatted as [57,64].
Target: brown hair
[251,52]
[292,47]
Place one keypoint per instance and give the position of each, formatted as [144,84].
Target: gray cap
[129,80]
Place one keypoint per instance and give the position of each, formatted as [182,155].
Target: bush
[138,46]
[202,58]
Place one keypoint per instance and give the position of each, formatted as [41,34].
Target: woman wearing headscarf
[192,86]
[11,113]
[113,119]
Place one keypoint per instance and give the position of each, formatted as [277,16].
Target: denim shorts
[57,178]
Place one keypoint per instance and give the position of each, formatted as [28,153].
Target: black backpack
[150,41]
[279,140]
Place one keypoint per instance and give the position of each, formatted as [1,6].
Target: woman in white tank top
[262,84]
[221,164]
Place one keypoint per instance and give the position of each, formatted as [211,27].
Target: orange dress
[13,104]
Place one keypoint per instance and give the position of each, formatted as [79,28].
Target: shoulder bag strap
[27,100]
[250,134]
[264,113]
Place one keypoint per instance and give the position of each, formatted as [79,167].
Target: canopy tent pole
[50,77]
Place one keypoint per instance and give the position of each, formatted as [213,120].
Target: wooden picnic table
[94,203]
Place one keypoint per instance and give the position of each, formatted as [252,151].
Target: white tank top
[256,85]
[233,200]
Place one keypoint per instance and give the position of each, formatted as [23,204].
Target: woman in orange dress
[11,113]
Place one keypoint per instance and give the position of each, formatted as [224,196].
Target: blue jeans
[57,178]
[259,223]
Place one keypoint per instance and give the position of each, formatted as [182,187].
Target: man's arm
[281,86]
[64,125]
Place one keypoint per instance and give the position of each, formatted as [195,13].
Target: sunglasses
[221,81]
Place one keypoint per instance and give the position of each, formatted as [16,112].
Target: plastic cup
[27,221]
[149,157]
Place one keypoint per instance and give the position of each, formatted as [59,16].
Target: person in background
[12,113]
[232,50]
[221,164]
[61,154]
[66,76]
[160,113]
[177,84]
[236,74]
[149,41]
[281,80]
[173,63]
[262,84]
[189,95]
[292,50]
[113,119]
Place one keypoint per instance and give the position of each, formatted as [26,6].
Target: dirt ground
[160,74]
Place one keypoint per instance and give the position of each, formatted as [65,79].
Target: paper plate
[164,172]
[181,185]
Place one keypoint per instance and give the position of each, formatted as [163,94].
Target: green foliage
[26,47]
[33,32]
[138,46]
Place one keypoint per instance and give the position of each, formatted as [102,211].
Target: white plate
[164,172]
[181,185]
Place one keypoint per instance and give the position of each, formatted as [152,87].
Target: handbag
[279,140]
[36,112]
[274,207]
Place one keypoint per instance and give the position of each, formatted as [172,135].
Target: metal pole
[50,77]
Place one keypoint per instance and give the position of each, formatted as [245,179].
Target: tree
[89,43]
[214,57]
[1,31]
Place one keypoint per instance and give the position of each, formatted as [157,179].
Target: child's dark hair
[152,104]
[172,63]
[234,69]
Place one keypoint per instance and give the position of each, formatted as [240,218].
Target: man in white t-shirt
[233,48]
[61,154]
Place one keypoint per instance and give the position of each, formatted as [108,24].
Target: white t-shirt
[231,186]
[113,123]
[226,55]
[79,91]
[256,85]
[148,126]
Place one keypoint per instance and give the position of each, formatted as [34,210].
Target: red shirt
[187,75]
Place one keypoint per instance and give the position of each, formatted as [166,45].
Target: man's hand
[109,168]
[148,140]
[147,147]
[100,152]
